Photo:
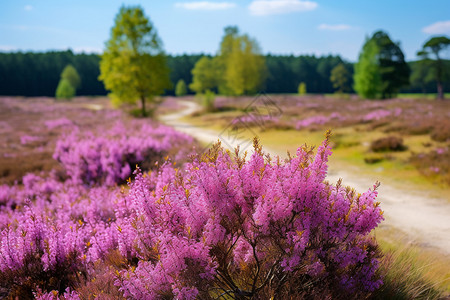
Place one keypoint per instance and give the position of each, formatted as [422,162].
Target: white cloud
[275,7]
[205,5]
[336,27]
[28,7]
[442,27]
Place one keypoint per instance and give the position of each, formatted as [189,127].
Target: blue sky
[317,27]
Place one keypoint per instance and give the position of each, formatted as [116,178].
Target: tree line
[38,73]
[135,67]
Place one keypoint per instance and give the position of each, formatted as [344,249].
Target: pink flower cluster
[218,225]
[377,115]
[318,120]
[109,157]
[225,224]
[62,122]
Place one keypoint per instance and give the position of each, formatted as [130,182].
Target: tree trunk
[144,113]
[440,91]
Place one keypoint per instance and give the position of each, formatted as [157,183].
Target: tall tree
[367,75]
[133,66]
[340,77]
[381,70]
[394,70]
[205,75]
[242,64]
[436,45]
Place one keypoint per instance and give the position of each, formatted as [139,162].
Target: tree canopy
[341,77]
[133,66]
[205,75]
[381,70]
[436,45]
[242,64]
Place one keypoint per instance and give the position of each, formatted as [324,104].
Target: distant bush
[434,164]
[180,88]
[208,100]
[302,88]
[373,159]
[110,157]
[65,90]
[441,132]
[390,143]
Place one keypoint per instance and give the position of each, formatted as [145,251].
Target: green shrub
[65,90]
[180,88]
[302,88]
[208,99]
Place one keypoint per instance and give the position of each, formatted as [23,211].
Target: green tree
[180,88]
[393,67]
[70,74]
[302,88]
[436,45]
[241,63]
[367,75]
[381,70]
[65,90]
[421,72]
[205,75]
[133,66]
[340,77]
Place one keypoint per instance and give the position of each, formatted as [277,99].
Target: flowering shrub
[376,115]
[220,226]
[241,229]
[109,157]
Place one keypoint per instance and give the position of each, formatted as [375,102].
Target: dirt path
[426,220]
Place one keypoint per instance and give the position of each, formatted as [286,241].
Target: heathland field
[95,201]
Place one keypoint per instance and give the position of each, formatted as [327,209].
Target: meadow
[97,203]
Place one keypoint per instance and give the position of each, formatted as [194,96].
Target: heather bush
[229,228]
[441,132]
[110,157]
[434,164]
[390,143]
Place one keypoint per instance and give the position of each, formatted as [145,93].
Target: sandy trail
[426,220]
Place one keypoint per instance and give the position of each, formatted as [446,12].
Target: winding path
[425,220]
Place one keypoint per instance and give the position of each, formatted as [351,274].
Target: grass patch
[411,272]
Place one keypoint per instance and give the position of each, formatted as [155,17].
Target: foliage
[208,100]
[436,45]
[220,225]
[180,89]
[381,70]
[205,75]
[180,67]
[393,68]
[111,156]
[64,90]
[367,75]
[133,66]
[340,77]
[243,65]
[434,164]
[390,143]
[38,73]
[302,88]
[70,74]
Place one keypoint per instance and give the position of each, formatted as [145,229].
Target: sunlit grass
[411,272]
